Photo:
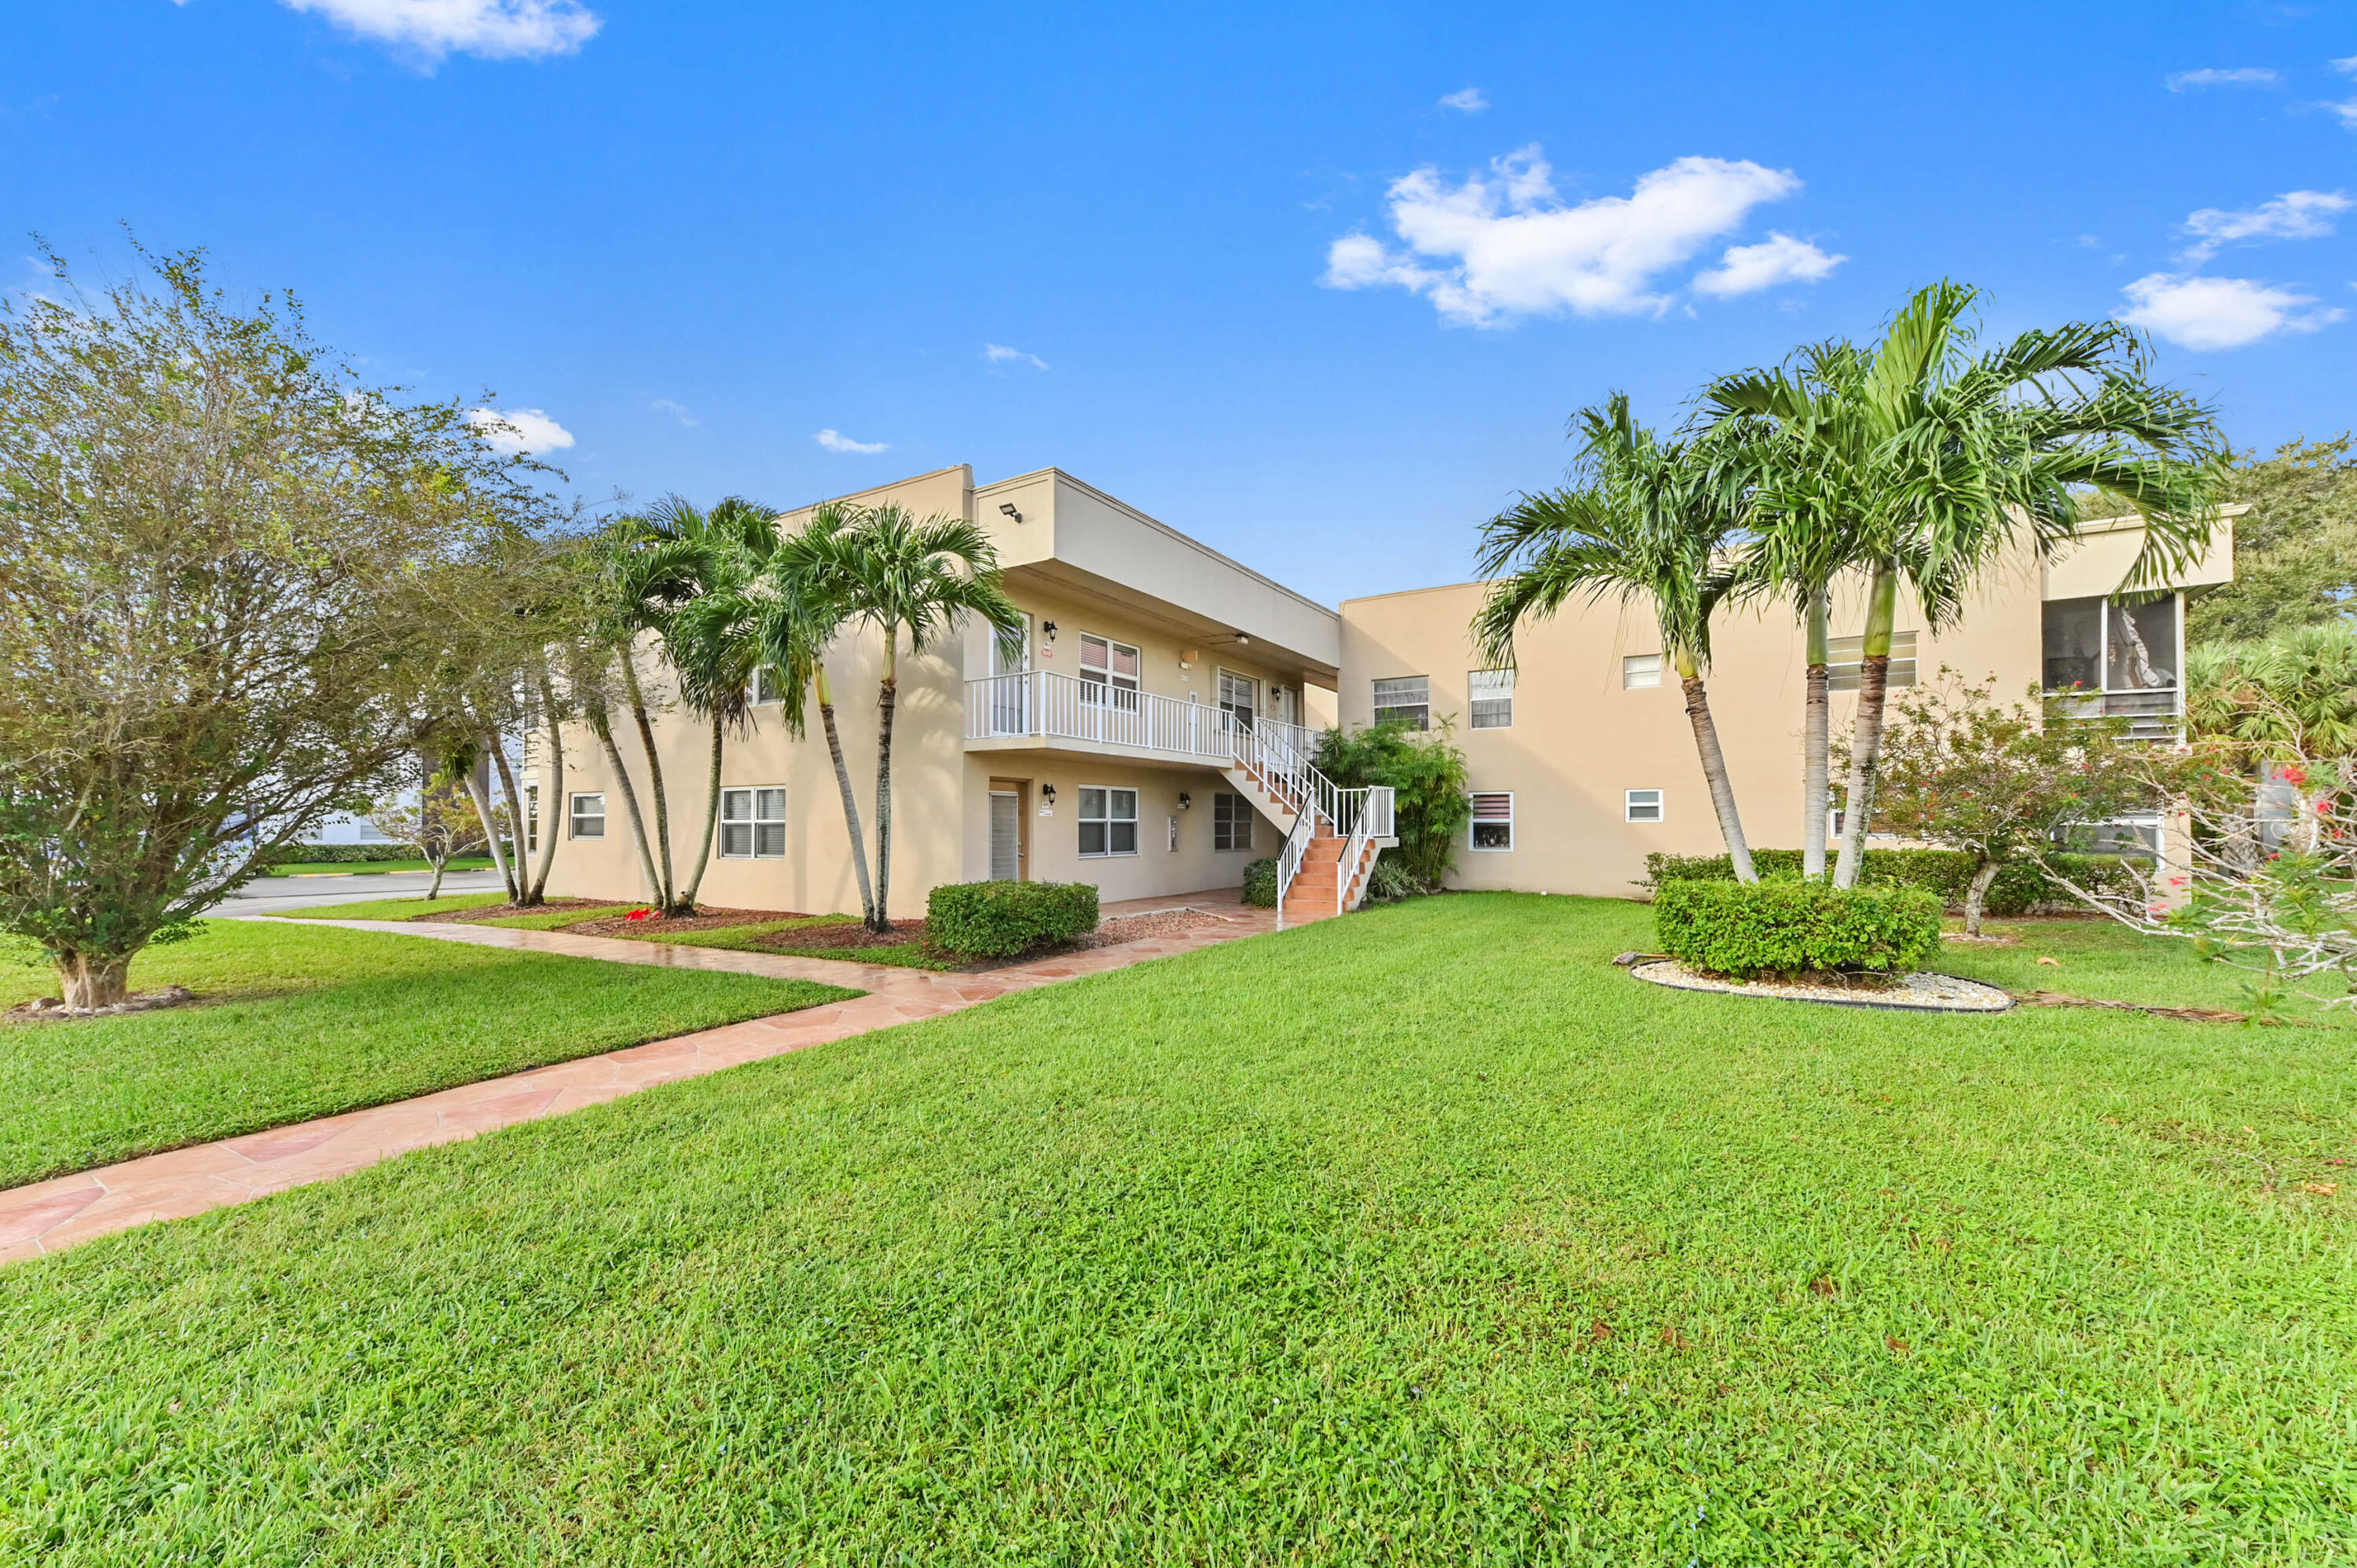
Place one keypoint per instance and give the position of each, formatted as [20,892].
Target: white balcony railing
[1045,706]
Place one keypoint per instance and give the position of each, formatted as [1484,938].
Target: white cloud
[1000,354]
[1465,100]
[2346,67]
[1779,258]
[2294,215]
[2219,312]
[2241,76]
[836,441]
[520,430]
[676,410]
[491,30]
[1511,247]
[2347,110]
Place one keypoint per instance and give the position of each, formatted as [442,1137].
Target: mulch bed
[493,911]
[702,921]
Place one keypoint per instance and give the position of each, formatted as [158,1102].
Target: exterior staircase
[1331,835]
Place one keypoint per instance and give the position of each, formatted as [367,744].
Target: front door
[1005,835]
[1011,694]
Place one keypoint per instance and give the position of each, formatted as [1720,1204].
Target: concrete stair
[1312,895]
[1272,797]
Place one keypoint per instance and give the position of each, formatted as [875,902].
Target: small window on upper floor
[1407,698]
[1847,661]
[1108,672]
[1492,693]
[767,685]
[1641,671]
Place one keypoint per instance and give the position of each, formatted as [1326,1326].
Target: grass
[556,919]
[748,939]
[372,867]
[1420,1237]
[2101,960]
[311,1020]
[390,909]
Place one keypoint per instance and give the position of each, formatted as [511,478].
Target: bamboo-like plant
[1648,521]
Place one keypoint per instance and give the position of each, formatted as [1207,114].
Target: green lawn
[552,919]
[372,867]
[2100,959]
[313,1020]
[1423,1236]
[390,909]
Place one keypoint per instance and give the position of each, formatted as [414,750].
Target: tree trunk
[656,797]
[1816,745]
[1976,894]
[850,803]
[605,733]
[516,883]
[490,831]
[1714,770]
[1865,744]
[888,700]
[552,808]
[435,890]
[711,818]
[89,981]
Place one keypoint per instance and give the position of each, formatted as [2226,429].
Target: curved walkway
[49,1216]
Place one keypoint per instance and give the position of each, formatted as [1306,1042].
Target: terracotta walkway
[49,1216]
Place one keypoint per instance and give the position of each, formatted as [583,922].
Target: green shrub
[1426,773]
[996,919]
[336,853]
[1784,926]
[2020,888]
[1260,884]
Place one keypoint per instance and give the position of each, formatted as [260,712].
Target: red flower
[639,915]
[2294,776]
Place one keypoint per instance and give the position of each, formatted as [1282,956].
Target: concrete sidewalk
[49,1216]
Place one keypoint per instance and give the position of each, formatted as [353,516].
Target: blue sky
[1321,287]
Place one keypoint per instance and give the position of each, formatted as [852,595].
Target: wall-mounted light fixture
[1006,509]
[1047,793]
[1048,631]
[1187,658]
[1185,800]
[1242,641]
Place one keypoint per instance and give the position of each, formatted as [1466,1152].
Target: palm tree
[699,567]
[1926,457]
[1650,522]
[897,572]
[806,612]
[630,606]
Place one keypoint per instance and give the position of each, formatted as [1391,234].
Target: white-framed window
[1641,671]
[1846,661]
[1404,697]
[768,686]
[753,823]
[1108,822]
[531,819]
[589,816]
[1494,820]
[1240,696]
[1232,822]
[1640,806]
[1492,694]
[1108,671]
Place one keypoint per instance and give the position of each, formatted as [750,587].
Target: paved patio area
[49,1216]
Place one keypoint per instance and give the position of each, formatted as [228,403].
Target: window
[1640,806]
[589,816]
[1108,822]
[1493,820]
[768,686]
[1108,672]
[1232,821]
[753,824]
[1493,698]
[1846,661]
[1641,671]
[369,832]
[1239,697]
[2097,645]
[530,818]
[1407,698]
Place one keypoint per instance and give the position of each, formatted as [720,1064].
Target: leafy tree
[1425,771]
[2000,783]
[219,558]
[1647,522]
[2295,549]
[438,822]
[888,570]
[2270,711]
[1926,457]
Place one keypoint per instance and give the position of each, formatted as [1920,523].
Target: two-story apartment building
[1109,752]
[1582,758]
[1151,736]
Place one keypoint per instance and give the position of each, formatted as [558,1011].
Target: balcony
[1041,710]
[2153,714]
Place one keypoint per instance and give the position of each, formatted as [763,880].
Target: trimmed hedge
[1785,926]
[1944,873]
[1260,884]
[336,853]
[998,920]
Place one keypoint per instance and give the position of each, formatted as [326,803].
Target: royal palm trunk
[1865,744]
[843,784]
[1816,744]
[664,896]
[517,885]
[604,728]
[483,814]
[553,806]
[1714,770]
[888,702]
[711,816]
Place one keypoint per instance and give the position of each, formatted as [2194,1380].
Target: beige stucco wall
[1578,740]
[2104,557]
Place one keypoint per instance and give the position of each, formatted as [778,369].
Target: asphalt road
[265,894]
